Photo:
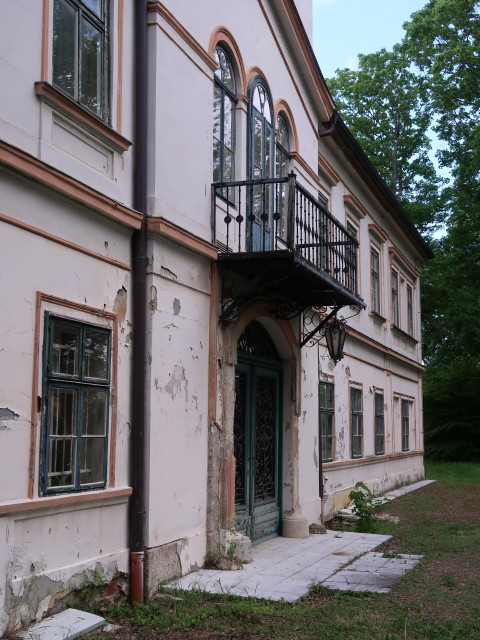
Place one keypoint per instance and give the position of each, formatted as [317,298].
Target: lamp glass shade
[335,337]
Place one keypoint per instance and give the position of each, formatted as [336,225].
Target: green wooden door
[257,449]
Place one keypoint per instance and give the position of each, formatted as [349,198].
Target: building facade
[183,215]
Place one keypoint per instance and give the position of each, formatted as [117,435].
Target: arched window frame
[282,163]
[224,134]
[282,147]
[262,112]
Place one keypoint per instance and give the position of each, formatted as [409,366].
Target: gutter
[331,128]
[139,285]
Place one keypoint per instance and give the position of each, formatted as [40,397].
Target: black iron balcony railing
[279,215]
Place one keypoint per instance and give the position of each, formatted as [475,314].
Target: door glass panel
[239,428]
[265,463]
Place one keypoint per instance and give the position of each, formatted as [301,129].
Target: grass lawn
[439,599]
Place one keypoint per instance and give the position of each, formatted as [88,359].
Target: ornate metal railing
[278,214]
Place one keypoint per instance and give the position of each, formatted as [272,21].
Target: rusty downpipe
[137,514]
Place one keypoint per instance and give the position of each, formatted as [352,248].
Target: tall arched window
[282,158]
[261,159]
[224,101]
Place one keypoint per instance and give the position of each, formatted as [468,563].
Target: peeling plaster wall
[178,390]
[369,369]
[52,552]
[47,552]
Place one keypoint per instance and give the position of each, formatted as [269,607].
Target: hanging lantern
[335,337]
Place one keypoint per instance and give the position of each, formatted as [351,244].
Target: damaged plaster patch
[177,378]
[120,304]
[8,414]
[153,298]
[166,273]
[315,457]
[176,306]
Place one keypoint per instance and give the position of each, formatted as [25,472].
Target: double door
[257,447]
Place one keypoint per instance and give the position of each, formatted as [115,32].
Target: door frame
[253,366]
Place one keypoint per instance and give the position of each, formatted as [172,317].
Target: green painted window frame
[405,412]
[326,405]
[226,95]
[80,71]
[410,328]
[379,423]
[356,422]
[87,397]
[375,278]
[395,301]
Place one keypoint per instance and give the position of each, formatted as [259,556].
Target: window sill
[403,334]
[67,106]
[60,500]
[377,318]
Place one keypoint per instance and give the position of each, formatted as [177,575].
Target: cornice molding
[78,498]
[154,6]
[355,205]
[397,255]
[32,168]
[379,233]
[372,459]
[175,233]
[327,170]
[66,243]
[309,57]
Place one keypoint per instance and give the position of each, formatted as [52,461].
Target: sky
[344,28]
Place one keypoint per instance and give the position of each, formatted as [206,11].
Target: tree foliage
[385,106]
[443,40]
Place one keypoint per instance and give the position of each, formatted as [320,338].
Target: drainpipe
[139,284]
[331,128]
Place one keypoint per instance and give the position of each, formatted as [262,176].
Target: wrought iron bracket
[286,310]
[321,326]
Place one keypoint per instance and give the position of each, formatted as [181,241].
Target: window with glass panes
[282,159]
[375,279]
[351,258]
[395,307]
[224,103]
[77,391]
[356,422]
[379,424]
[405,405]
[409,310]
[324,231]
[80,53]
[327,415]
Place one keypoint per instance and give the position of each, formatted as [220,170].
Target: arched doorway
[257,435]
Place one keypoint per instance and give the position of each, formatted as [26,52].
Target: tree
[443,39]
[385,106]
[440,52]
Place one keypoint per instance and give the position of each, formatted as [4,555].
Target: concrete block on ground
[67,625]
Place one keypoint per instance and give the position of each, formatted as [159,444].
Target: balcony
[284,242]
